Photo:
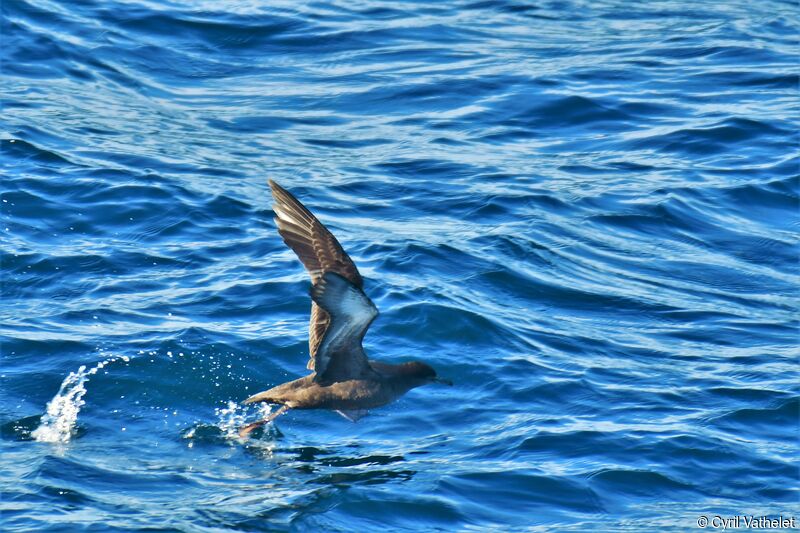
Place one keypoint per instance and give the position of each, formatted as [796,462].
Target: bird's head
[422,373]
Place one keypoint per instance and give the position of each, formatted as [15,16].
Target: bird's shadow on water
[340,466]
[336,468]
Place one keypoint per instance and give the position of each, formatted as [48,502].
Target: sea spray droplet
[62,411]
[234,416]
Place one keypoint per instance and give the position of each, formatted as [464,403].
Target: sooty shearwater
[342,377]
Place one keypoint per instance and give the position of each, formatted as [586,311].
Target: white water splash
[231,418]
[62,411]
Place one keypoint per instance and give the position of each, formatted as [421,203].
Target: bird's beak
[443,381]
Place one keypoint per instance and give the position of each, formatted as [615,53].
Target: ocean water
[583,213]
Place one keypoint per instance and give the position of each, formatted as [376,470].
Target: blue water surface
[583,213]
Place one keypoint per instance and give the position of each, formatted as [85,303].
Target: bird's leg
[244,431]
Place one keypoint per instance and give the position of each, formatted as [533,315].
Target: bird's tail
[262,397]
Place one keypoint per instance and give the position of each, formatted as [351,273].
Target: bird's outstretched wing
[351,312]
[320,252]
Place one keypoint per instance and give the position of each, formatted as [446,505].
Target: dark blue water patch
[134,192]
[61,500]
[368,12]
[28,152]
[216,30]
[743,54]
[423,261]
[732,335]
[42,136]
[529,114]
[775,199]
[738,78]
[253,301]
[143,163]
[749,395]
[583,396]
[345,144]
[63,470]
[426,169]
[445,325]
[16,350]
[404,514]
[446,94]
[23,205]
[518,247]
[263,124]
[170,63]
[769,421]
[174,377]
[375,477]
[692,213]
[638,484]
[688,452]
[20,429]
[556,295]
[25,43]
[571,111]
[515,494]
[715,138]
[417,52]
[753,479]
[51,373]
[577,444]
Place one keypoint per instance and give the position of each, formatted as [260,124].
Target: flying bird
[342,377]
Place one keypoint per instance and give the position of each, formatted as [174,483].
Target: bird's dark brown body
[342,377]
[389,383]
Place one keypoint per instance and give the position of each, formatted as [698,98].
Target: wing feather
[351,313]
[319,251]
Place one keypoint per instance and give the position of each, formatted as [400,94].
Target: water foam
[59,420]
[231,418]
